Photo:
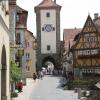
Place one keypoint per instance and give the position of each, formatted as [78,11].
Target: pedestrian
[41,74]
[34,76]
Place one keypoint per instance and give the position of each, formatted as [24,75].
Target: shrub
[14,94]
[15,72]
[84,83]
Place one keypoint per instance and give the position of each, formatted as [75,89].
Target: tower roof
[48,3]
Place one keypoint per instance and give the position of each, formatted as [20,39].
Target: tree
[15,72]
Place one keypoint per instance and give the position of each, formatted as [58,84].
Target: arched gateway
[48,32]
[3,74]
[47,61]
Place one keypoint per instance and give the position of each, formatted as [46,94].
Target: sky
[73,12]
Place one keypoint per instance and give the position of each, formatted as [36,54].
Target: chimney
[96,15]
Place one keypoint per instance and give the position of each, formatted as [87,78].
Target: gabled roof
[69,35]
[97,23]
[31,33]
[97,20]
[19,9]
[98,27]
[48,3]
[89,23]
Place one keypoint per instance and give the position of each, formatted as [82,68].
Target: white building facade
[4,51]
[48,33]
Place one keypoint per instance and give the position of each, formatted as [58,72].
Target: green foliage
[14,94]
[84,82]
[15,72]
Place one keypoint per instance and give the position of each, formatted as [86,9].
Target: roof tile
[48,3]
[69,35]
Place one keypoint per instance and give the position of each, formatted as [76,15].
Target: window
[17,38]
[42,28]
[48,47]
[47,14]
[88,52]
[53,28]
[94,52]
[28,55]
[17,18]
[28,68]
[90,39]
[28,44]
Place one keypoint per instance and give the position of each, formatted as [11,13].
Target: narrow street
[49,89]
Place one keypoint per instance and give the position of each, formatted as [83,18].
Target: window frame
[48,47]
[48,14]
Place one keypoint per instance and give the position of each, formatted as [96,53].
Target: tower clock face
[48,28]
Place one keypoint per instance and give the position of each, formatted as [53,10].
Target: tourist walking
[34,76]
[41,74]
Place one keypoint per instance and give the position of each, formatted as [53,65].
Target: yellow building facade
[30,54]
[86,51]
[4,50]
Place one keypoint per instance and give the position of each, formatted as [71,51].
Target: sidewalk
[27,90]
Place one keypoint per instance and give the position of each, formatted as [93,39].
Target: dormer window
[47,14]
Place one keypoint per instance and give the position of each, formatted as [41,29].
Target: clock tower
[48,33]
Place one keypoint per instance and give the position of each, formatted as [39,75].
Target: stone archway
[48,59]
[49,63]
[3,73]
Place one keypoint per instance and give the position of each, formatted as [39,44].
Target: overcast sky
[73,12]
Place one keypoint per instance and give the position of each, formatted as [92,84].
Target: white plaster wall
[22,45]
[8,59]
[4,40]
[32,62]
[2,13]
[48,38]
[0,82]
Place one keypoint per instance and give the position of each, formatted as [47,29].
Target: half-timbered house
[86,51]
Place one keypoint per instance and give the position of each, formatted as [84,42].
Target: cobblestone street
[49,89]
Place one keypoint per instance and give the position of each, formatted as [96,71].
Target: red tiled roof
[97,21]
[69,35]
[48,3]
[30,33]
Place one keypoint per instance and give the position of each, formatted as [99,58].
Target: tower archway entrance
[3,73]
[49,64]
